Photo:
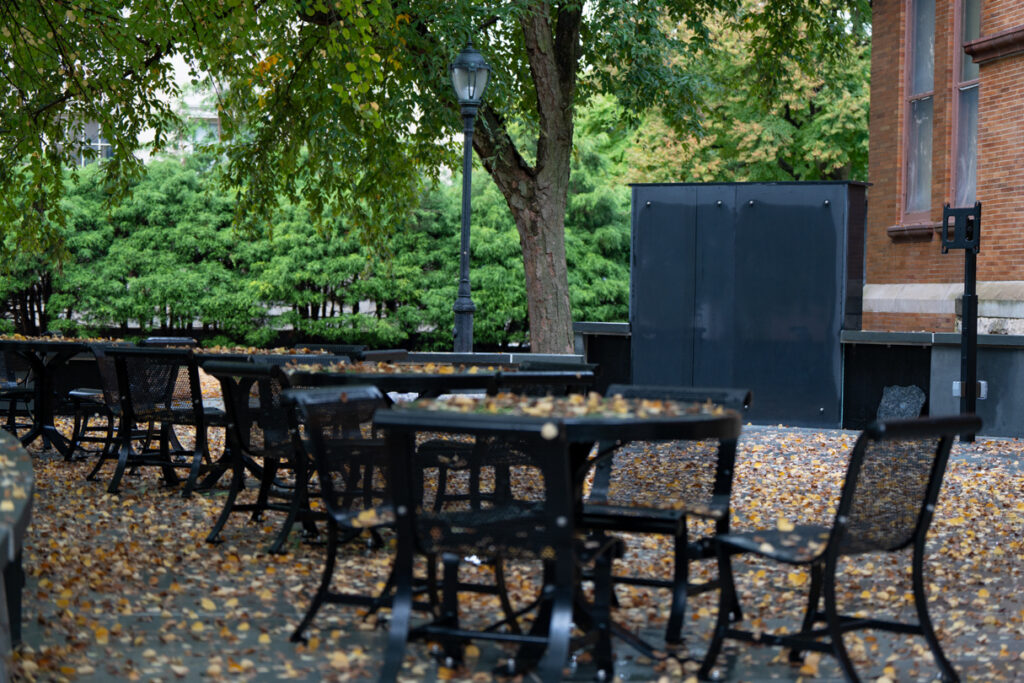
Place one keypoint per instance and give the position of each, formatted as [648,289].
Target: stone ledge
[916,231]
[1003,44]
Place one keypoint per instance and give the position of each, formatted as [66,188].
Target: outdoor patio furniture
[539,520]
[160,385]
[259,437]
[101,401]
[352,474]
[17,482]
[45,358]
[16,390]
[648,488]
[358,352]
[887,502]
[433,384]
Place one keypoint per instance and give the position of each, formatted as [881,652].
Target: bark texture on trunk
[537,194]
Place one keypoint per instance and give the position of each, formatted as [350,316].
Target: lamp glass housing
[469,74]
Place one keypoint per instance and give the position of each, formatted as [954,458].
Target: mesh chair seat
[609,517]
[802,545]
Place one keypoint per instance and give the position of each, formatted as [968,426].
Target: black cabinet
[748,284]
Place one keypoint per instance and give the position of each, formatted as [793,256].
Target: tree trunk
[537,195]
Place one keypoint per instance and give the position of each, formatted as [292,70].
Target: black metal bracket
[966,228]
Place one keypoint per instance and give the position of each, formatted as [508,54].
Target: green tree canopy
[346,104]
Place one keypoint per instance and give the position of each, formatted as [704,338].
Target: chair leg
[401,612]
[559,627]
[810,616]
[726,599]
[295,507]
[270,469]
[450,604]
[77,431]
[237,483]
[949,675]
[602,614]
[680,582]
[506,604]
[834,624]
[442,488]
[198,456]
[298,635]
[122,464]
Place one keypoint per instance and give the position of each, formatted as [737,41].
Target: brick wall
[918,259]
[999,15]
[1001,167]
[909,322]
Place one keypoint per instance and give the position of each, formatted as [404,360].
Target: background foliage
[168,256]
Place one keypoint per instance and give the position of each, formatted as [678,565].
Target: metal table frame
[575,439]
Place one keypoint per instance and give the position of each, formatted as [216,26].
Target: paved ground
[125,588]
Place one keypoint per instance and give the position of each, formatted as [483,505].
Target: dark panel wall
[665,223]
[748,285]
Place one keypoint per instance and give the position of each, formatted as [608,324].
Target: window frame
[909,99]
[958,86]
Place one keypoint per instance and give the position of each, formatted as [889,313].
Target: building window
[965,113]
[94,141]
[920,98]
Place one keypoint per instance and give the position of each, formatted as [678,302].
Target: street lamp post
[469,74]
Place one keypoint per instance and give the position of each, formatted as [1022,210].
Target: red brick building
[947,126]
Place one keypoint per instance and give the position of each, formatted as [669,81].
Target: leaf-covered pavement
[125,587]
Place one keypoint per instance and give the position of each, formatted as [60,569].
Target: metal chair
[655,490]
[887,501]
[160,386]
[101,401]
[352,476]
[16,390]
[259,437]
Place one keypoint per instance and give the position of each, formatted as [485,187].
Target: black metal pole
[969,340]
[464,307]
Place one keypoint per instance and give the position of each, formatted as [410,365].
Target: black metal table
[572,439]
[45,358]
[433,384]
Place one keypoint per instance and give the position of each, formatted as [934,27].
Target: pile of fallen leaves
[124,587]
[257,351]
[573,405]
[80,340]
[389,368]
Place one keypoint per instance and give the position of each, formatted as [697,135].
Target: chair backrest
[530,510]
[107,368]
[13,368]
[158,384]
[263,429]
[328,422]
[668,474]
[893,482]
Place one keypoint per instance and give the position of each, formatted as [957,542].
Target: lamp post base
[464,309]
